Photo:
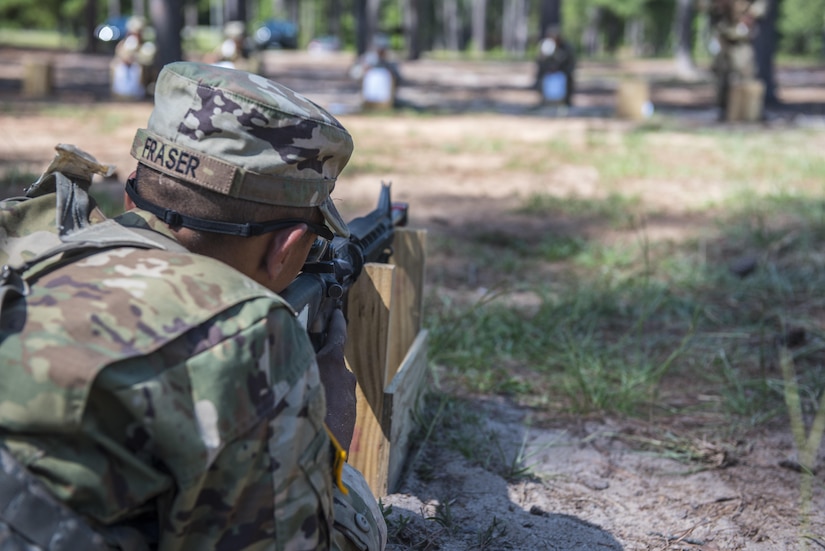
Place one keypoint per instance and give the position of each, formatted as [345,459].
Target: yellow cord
[339,457]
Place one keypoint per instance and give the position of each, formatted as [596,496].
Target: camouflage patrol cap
[241,135]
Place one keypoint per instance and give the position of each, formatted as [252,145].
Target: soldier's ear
[128,204]
[282,252]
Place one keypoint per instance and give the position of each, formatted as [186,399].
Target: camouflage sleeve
[359,524]
[270,487]
[194,409]
[223,437]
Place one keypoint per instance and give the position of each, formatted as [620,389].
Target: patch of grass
[491,537]
[616,209]
[447,422]
[29,38]
[624,316]
[444,515]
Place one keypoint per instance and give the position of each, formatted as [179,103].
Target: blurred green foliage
[801,22]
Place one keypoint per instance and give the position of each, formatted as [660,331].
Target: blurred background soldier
[555,65]
[132,71]
[378,74]
[234,52]
[734,62]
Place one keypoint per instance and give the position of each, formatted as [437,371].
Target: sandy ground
[586,485]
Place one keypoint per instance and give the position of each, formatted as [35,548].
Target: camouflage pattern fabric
[160,392]
[204,412]
[735,60]
[244,136]
[26,508]
[359,524]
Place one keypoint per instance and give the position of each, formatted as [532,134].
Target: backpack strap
[69,177]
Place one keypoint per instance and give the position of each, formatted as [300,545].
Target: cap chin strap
[177,220]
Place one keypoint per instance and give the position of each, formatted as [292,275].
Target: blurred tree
[514,27]
[235,10]
[764,45]
[684,37]
[334,14]
[167,20]
[549,16]
[479,25]
[25,14]
[451,25]
[412,31]
[91,23]
[366,23]
[801,25]
[293,10]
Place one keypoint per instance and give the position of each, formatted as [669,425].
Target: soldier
[555,67]
[378,75]
[153,380]
[131,68]
[234,52]
[733,22]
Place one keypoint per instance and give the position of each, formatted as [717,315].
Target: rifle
[323,286]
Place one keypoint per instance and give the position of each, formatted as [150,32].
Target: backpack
[34,242]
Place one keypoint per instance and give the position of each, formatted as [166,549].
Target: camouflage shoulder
[359,524]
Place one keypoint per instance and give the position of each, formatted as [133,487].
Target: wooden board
[401,400]
[409,258]
[387,351]
[368,312]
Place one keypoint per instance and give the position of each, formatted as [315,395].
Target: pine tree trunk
[412,29]
[591,38]
[550,15]
[450,24]
[479,25]
[235,10]
[167,19]
[114,8]
[293,11]
[765,48]
[683,36]
[91,23]
[334,18]
[366,23]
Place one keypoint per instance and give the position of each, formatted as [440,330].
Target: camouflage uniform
[164,396]
[735,61]
[133,54]
[556,55]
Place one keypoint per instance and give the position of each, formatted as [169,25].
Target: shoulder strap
[69,177]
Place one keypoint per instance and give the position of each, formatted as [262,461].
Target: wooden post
[633,100]
[387,351]
[37,77]
[745,100]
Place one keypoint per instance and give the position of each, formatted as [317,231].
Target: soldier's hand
[338,381]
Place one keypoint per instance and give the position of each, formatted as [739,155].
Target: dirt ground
[587,485]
